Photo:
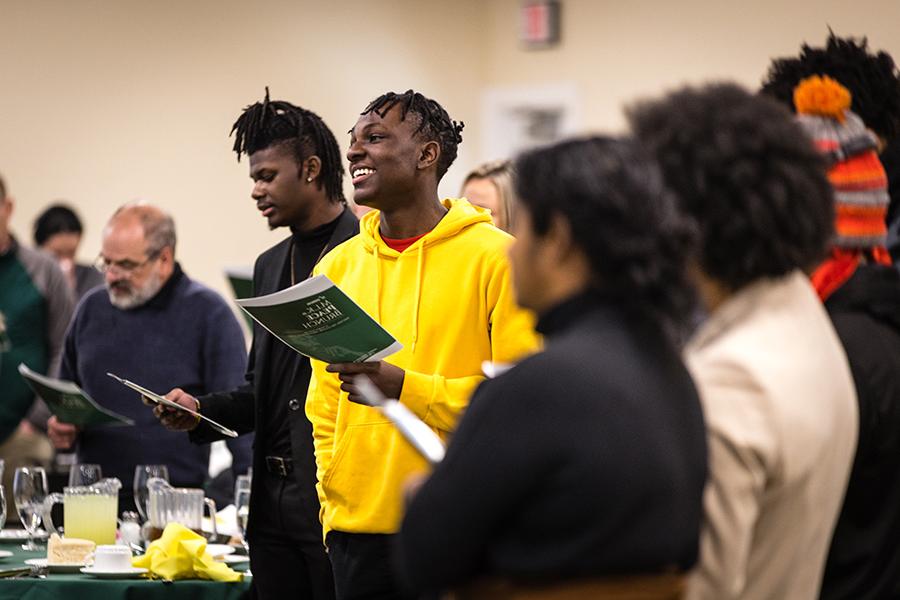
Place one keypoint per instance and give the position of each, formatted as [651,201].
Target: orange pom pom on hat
[855,173]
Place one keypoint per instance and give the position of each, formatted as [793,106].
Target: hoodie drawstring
[377,283]
[419,267]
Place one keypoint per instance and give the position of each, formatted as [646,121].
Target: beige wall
[102,102]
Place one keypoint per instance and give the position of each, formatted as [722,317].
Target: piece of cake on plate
[68,551]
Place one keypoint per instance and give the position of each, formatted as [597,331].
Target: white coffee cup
[111,558]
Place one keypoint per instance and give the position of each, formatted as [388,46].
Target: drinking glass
[2,507]
[242,506]
[84,474]
[141,494]
[29,492]
[241,482]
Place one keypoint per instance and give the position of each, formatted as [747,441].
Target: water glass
[241,482]
[2,506]
[84,474]
[29,492]
[141,494]
[242,506]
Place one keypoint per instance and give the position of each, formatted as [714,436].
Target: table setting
[98,554]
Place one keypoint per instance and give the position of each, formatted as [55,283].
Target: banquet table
[78,586]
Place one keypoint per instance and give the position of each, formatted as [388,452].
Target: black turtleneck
[585,460]
[307,249]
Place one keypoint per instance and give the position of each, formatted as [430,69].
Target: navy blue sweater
[186,336]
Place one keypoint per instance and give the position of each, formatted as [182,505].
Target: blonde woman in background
[490,186]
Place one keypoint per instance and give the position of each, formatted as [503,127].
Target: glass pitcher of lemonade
[90,511]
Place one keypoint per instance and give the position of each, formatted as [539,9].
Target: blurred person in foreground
[490,186]
[873,80]
[861,291]
[847,98]
[36,305]
[434,273]
[777,393]
[58,231]
[155,326]
[297,172]
[579,473]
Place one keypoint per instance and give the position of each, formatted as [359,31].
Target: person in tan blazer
[775,385]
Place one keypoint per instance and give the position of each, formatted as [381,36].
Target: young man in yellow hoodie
[434,273]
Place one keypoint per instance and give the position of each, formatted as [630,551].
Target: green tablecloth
[79,586]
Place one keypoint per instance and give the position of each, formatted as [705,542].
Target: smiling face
[280,189]
[388,160]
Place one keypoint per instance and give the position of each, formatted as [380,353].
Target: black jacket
[242,408]
[864,559]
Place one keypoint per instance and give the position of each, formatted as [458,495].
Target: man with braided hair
[295,164]
[434,273]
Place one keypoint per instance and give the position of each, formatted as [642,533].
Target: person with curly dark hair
[861,291]
[777,393]
[872,78]
[873,81]
[434,273]
[541,480]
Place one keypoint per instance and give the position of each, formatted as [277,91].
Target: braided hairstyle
[268,123]
[435,125]
[873,80]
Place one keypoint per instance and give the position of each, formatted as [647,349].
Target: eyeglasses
[126,267]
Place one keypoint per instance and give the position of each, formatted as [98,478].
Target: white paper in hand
[162,400]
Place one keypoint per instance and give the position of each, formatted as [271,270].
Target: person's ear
[559,237]
[429,154]
[167,255]
[312,167]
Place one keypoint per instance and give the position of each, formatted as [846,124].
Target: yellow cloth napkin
[181,554]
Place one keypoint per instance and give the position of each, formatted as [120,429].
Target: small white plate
[5,554]
[219,549]
[234,559]
[15,535]
[126,574]
[42,563]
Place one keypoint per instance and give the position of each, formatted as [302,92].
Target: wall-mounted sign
[539,23]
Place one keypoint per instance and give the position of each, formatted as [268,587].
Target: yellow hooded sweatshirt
[448,300]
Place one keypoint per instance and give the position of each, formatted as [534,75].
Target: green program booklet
[241,281]
[69,402]
[318,320]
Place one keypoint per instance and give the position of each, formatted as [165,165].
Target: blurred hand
[62,435]
[175,419]
[412,486]
[387,377]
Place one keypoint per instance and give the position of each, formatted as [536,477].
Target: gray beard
[138,297]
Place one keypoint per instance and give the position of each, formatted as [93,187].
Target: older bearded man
[154,325]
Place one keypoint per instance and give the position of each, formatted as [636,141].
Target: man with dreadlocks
[295,164]
[434,273]
[861,292]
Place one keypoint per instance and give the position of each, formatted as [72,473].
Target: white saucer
[5,554]
[42,563]
[234,559]
[15,535]
[126,574]
[219,549]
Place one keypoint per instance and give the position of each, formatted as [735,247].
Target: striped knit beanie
[855,172]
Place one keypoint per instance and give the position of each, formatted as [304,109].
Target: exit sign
[539,23]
